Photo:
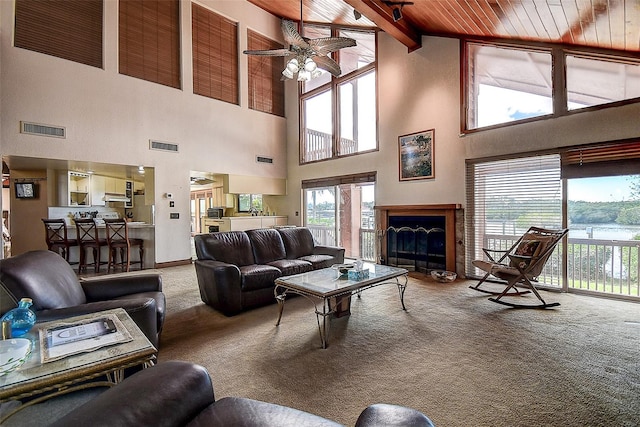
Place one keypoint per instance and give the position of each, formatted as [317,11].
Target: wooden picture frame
[416,155]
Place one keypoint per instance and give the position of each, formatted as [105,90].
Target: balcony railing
[608,266]
[318,146]
[325,235]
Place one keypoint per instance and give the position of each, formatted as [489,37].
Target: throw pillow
[526,248]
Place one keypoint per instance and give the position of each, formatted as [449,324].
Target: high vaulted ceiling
[608,24]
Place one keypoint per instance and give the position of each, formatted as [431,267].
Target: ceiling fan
[308,54]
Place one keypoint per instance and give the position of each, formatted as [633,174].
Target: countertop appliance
[216,212]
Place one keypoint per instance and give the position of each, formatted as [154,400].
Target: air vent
[42,130]
[163,146]
[263,159]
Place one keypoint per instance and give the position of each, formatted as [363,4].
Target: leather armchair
[57,293]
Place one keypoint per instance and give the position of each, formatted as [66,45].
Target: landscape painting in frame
[416,155]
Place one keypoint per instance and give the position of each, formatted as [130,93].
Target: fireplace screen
[417,243]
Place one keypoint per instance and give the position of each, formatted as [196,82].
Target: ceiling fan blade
[327,64]
[291,35]
[271,52]
[326,45]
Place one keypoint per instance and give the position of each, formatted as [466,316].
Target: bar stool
[87,234]
[118,241]
[56,236]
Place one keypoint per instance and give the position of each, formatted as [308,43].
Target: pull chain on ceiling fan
[309,55]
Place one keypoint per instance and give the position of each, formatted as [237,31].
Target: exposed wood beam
[382,16]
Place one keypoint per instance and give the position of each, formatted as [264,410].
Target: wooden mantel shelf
[419,207]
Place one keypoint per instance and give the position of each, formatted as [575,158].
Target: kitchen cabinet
[74,188]
[106,184]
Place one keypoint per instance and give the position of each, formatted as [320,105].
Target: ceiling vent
[163,146]
[263,159]
[42,130]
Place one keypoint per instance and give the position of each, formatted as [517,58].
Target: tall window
[149,40]
[266,88]
[338,114]
[215,55]
[505,198]
[68,29]
[508,84]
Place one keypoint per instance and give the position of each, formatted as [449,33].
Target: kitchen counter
[242,223]
[137,230]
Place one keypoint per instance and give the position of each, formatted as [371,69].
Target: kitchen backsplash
[69,212]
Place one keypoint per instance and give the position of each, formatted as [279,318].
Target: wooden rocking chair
[520,265]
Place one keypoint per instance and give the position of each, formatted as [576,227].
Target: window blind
[149,40]
[505,198]
[612,159]
[266,87]
[358,178]
[215,55]
[68,29]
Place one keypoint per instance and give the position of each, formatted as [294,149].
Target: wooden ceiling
[607,24]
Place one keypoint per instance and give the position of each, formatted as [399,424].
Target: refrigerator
[142,212]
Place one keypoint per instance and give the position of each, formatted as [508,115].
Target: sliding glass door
[343,215]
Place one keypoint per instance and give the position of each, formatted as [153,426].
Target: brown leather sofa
[57,293]
[236,270]
[183,396]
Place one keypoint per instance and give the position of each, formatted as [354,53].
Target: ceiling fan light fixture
[304,75]
[310,65]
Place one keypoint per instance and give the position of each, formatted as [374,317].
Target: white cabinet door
[97,190]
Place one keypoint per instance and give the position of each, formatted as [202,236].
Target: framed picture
[416,155]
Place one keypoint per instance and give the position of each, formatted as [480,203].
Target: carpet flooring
[454,355]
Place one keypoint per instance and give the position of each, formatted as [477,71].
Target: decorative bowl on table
[343,269]
[13,353]
[444,276]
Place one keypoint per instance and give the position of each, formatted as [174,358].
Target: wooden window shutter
[266,87]
[68,29]
[149,40]
[215,55]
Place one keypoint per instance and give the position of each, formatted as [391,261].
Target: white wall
[421,91]
[109,118]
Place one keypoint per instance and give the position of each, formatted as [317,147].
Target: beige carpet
[460,359]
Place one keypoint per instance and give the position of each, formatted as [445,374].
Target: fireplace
[419,237]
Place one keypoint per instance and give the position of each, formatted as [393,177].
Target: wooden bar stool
[118,241]
[56,236]
[87,235]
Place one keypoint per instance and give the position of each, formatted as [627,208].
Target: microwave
[215,212]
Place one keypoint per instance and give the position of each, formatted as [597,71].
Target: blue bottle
[22,318]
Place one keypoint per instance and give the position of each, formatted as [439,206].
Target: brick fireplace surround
[454,229]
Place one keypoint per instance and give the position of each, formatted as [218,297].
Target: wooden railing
[607,266]
[325,235]
[318,146]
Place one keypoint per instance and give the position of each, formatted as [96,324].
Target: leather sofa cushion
[43,276]
[319,261]
[258,276]
[298,241]
[267,245]
[242,412]
[289,267]
[384,414]
[232,247]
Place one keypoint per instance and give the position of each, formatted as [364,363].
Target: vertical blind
[266,87]
[215,55]
[149,40]
[68,29]
[506,197]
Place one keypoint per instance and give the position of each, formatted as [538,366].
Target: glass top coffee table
[324,285]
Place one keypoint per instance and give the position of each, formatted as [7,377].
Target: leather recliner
[57,293]
[183,396]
